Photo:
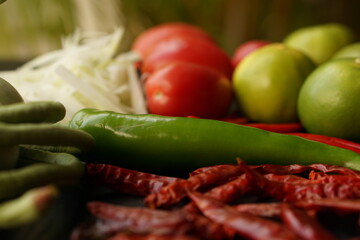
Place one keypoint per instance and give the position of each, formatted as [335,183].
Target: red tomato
[187,49]
[185,89]
[155,34]
[244,49]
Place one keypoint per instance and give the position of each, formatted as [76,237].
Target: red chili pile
[227,202]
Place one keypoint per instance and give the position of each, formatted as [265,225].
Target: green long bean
[9,157]
[27,208]
[16,181]
[32,112]
[44,134]
[28,155]
[8,94]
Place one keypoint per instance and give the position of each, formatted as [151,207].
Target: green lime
[351,50]
[267,83]
[320,42]
[329,101]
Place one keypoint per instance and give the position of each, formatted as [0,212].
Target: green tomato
[267,83]
[320,42]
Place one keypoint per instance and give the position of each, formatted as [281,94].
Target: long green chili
[173,143]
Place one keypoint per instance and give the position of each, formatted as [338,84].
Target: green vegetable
[30,123]
[42,111]
[8,94]
[43,134]
[26,208]
[160,143]
[16,181]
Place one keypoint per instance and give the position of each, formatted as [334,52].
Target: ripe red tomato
[155,34]
[244,49]
[187,49]
[185,89]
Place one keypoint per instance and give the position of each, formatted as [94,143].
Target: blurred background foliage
[29,28]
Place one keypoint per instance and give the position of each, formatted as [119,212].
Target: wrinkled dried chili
[303,225]
[302,192]
[175,192]
[139,219]
[245,225]
[299,169]
[126,181]
[129,236]
[288,192]
[270,210]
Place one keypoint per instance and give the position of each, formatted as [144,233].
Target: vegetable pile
[135,123]
[145,142]
[29,167]
[226,202]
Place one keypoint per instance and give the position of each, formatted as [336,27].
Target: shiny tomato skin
[185,89]
[245,48]
[187,49]
[155,34]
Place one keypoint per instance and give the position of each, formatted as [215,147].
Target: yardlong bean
[32,112]
[8,94]
[16,181]
[26,208]
[44,134]
[30,155]
[29,132]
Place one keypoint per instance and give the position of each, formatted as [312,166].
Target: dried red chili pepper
[299,169]
[126,181]
[139,219]
[207,229]
[175,192]
[342,179]
[342,206]
[293,179]
[233,189]
[245,225]
[229,191]
[280,169]
[333,169]
[303,225]
[315,175]
[208,168]
[95,230]
[271,210]
[129,236]
[288,192]
[338,142]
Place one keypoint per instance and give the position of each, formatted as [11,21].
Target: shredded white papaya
[88,71]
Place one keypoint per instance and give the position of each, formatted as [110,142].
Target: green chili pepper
[153,142]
